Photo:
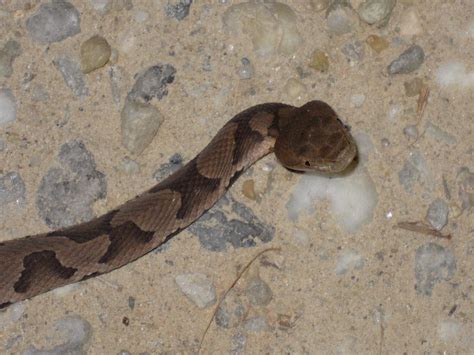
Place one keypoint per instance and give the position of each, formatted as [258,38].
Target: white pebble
[357,100]
[454,74]
[348,261]
[7,106]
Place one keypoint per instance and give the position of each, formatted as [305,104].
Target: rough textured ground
[376,289]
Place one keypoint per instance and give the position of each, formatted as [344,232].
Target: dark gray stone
[437,214]
[433,264]
[54,22]
[354,51]
[179,10]
[72,74]
[231,311]
[166,169]
[8,53]
[408,61]
[12,189]
[66,193]
[152,83]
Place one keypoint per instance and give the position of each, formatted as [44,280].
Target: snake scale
[304,138]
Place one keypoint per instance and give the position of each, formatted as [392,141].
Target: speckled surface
[375,305]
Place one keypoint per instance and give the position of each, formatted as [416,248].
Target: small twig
[224,295]
[422,102]
[423,228]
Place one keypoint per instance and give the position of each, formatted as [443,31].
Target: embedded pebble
[95,53]
[75,333]
[256,324]
[319,61]
[349,260]
[11,315]
[198,288]
[433,264]
[39,93]
[414,169]
[248,189]
[339,21]
[454,73]
[320,5]
[179,10]
[54,22]
[216,230]
[411,131]
[409,61]
[129,166]
[101,6]
[437,214]
[246,70]
[377,43]
[3,145]
[449,330]
[238,342]
[465,182]
[357,100]
[294,89]
[375,11]
[152,83]
[354,51]
[231,311]
[141,16]
[72,74]
[66,193]
[440,134]
[413,87]
[174,164]
[115,75]
[301,238]
[12,190]
[139,125]
[410,24]
[8,54]
[272,26]
[7,106]
[258,292]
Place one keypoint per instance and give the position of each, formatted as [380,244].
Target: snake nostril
[307,163]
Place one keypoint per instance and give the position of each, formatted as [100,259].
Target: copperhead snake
[307,138]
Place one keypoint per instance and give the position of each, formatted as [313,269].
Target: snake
[306,138]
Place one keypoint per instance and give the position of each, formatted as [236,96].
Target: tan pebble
[320,5]
[319,61]
[377,43]
[95,53]
[413,87]
[248,189]
[294,89]
[410,24]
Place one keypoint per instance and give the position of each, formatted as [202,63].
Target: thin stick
[423,228]
[239,276]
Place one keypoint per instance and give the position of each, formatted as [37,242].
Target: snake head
[313,138]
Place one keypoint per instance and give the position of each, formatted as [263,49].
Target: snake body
[310,137]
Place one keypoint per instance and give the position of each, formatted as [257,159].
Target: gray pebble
[354,51]
[72,74]
[238,342]
[339,21]
[54,22]
[433,263]
[349,260]
[139,124]
[115,75]
[179,10]
[75,332]
[411,131]
[414,168]
[129,166]
[198,288]
[66,193]
[152,83]
[174,163]
[7,106]
[12,190]
[409,61]
[256,324]
[231,311]
[437,214]
[246,70]
[39,93]
[8,53]
[374,11]
[215,230]
[465,181]
[258,292]
[3,145]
